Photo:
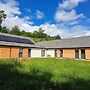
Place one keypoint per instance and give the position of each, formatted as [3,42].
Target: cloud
[70,4]
[66,11]
[66,32]
[69,22]
[39,14]
[75,22]
[12,21]
[76,31]
[65,16]
[11,8]
[51,29]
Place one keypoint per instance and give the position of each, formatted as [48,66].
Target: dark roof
[67,43]
[13,38]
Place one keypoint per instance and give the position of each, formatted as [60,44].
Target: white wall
[35,52]
[50,52]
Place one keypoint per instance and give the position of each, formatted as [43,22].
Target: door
[83,56]
[77,54]
[61,53]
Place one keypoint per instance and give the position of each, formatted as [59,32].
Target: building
[12,46]
[76,48]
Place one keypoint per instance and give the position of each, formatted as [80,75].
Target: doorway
[61,53]
[83,55]
[55,53]
[76,53]
[29,52]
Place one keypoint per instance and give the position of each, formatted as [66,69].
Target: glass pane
[42,53]
[55,53]
[29,52]
[20,52]
[20,55]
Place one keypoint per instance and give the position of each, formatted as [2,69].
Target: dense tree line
[37,36]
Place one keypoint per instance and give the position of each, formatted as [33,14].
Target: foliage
[2,17]
[15,30]
[44,74]
[37,36]
[4,30]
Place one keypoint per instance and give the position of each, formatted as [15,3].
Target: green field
[44,74]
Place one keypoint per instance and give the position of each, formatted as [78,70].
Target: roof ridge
[65,39]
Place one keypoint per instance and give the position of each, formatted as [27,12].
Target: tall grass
[44,74]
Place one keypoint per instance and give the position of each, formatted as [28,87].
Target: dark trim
[19,46]
[46,48]
[70,48]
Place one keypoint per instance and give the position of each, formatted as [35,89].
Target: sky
[68,18]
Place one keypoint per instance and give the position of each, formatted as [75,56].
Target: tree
[15,30]
[26,34]
[2,17]
[39,34]
[23,33]
[57,37]
[4,30]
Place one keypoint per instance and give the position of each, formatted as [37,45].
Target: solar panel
[15,39]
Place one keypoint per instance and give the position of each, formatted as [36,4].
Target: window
[55,53]
[83,55]
[42,53]
[29,52]
[20,52]
[76,53]
[61,53]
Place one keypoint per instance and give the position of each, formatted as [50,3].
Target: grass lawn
[44,74]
